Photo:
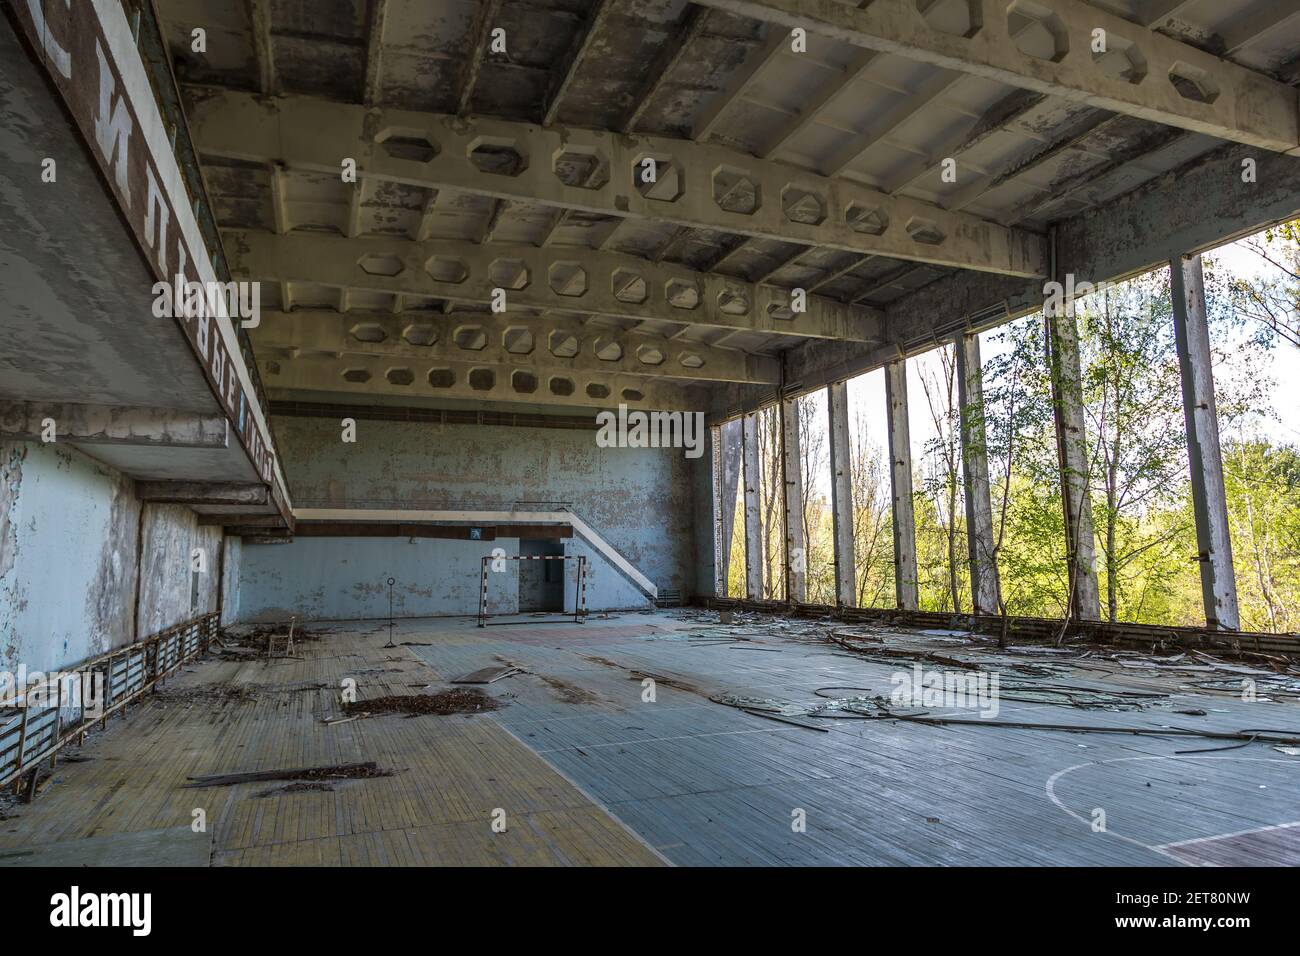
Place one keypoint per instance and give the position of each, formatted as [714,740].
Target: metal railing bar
[35,734]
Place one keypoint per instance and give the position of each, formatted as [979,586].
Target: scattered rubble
[231,693]
[206,694]
[1045,674]
[486,675]
[263,638]
[569,693]
[304,786]
[458,700]
[348,771]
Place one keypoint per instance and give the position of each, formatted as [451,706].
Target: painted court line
[1228,836]
[594,802]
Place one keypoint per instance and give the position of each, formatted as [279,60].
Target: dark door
[541,583]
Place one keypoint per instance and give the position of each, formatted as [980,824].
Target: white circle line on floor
[1161,848]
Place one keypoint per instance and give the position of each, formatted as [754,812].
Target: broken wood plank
[339,772]
[485,675]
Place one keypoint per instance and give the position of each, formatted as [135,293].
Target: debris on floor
[578,698]
[455,701]
[1274,674]
[569,693]
[304,786]
[226,693]
[347,771]
[674,682]
[206,694]
[878,707]
[486,675]
[1042,674]
[270,640]
[1085,698]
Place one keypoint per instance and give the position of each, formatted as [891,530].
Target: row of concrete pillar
[739,440]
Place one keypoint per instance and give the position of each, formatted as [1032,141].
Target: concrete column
[726,480]
[1209,498]
[753,471]
[796,558]
[985,586]
[1072,452]
[837,406]
[721,544]
[900,483]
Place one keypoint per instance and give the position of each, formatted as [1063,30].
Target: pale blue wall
[231,558]
[68,528]
[346,578]
[639,500]
[70,559]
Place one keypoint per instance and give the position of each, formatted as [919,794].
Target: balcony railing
[153,53]
[39,719]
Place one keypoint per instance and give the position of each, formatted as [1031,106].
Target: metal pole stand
[390,643]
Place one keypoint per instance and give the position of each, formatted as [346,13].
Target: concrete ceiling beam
[201,493]
[1135,233]
[742,81]
[109,425]
[549,343]
[1096,178]
[259,21]
[367,376]
[576,281]
[1258,25]
[674,52]
[377,16]
[1158,13]
[518,161]
[1171,82]
[1198,206]
[1005,113]
[241,520]
[564,76]
[485,17]
[795,127]
[892,121]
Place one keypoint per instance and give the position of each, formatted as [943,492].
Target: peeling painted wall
[171,533]
[70,558]
[702,476]
[68,529]
[231,560]
[641,500]
[346,578]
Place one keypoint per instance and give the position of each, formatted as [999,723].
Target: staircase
[512,516]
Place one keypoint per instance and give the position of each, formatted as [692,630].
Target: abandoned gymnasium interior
[646,433]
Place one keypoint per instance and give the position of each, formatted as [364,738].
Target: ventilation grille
[669,597]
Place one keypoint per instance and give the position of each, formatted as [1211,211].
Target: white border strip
[136,87]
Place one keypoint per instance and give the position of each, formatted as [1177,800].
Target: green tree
[1263,487]
[939,502]
[818,519]
[873,521]
[1271,298]
[1024,475]
[1133,398]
